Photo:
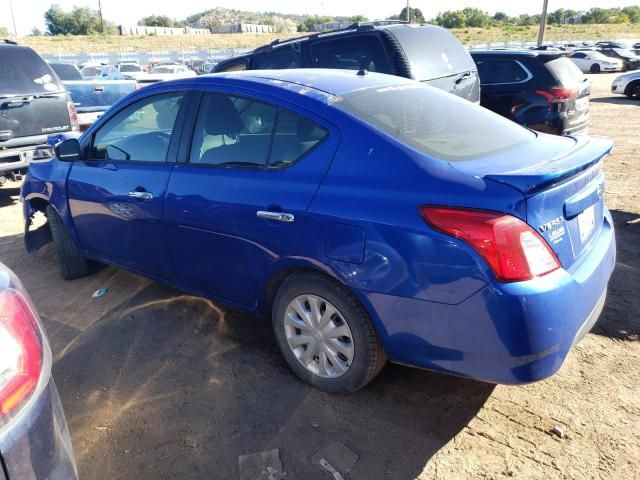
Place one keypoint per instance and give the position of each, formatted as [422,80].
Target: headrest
[309,131]
[220,116]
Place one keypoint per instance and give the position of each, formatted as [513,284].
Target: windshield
[91,71]
[130,68]
[22,71]
[624,52]
[433,122]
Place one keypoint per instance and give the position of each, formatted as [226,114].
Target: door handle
[276,216]
[141,195]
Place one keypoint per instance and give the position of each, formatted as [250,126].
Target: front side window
[139,133]
[240,132]
[501,71]
[351,53]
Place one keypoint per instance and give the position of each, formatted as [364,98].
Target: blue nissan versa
[370,216]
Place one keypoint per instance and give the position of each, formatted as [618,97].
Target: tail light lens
[513,250]
[558,94]
[73,115]
[21,354]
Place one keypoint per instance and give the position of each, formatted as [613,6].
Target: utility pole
[543,22]
[101,21]
[408,12]
[13,19]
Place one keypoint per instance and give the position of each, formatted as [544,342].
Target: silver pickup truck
[91,97]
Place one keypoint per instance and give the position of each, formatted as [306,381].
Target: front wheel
[325,335]
[595,68]
[633,91]
[73,264]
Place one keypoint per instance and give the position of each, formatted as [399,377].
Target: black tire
[633,90]
[368,358]
[73,264]
[595,68]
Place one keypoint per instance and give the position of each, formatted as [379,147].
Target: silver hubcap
[318,336]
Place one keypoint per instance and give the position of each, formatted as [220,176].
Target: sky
[29,13]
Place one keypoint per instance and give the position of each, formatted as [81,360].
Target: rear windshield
[23,72]
[130,68]
[566,72]
[432,51]
[433,122]
[66,71]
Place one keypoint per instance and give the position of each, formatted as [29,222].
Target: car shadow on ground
[9,195]
[620,318]
[617,100]
[171,385]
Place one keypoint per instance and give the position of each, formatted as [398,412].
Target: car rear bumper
[38,446]
[511,333]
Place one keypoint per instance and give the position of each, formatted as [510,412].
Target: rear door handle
[276,216]
[141,195]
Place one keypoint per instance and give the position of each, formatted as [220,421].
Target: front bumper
[37,445]
[511,333]
[14,159]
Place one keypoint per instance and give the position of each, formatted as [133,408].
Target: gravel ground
[160,384]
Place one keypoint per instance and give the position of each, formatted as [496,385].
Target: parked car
[102,72]
[426,53]
[33,104]
[595,62]
[611,44]
[131,71]
[630,60]
[369,215]
[34,438]
[166,71]
[544,91]
[627,84]
[91,97]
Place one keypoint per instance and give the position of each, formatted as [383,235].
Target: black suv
[33,104]
[426,53]
[542,90]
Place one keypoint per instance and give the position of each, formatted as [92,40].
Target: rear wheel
[595,68]
[325,335]
[633,90]
[73,264]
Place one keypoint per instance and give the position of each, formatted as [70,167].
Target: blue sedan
[371,217]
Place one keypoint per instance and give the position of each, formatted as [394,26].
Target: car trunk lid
[563,183]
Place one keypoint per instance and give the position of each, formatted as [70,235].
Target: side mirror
[69,150]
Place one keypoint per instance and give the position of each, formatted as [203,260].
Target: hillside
[99,43]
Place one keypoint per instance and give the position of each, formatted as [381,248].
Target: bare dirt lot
[160,384]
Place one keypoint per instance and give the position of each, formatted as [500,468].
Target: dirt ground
[160,384]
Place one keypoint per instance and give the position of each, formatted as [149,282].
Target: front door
[238,202]
[116,195]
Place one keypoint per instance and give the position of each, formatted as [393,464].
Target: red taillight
[21,355]
[513,250]
[73,115]
[558,94]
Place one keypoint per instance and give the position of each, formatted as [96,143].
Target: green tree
[4,32]
[36,32]
[451,19]
[597,15]
[159,21]
[415,15]
[358,19]
[501,17]
[80,21]
[476,18]
[309,22]
[633,13]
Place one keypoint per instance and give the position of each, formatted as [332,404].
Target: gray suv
[426,53]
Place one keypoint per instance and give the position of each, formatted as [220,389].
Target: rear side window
[566,72]
[23,72]
[280,58]
[241,132]
[140,132]
[432,51]
[433,122]
[66,71]
[579,55]
[501,71]
[351,53]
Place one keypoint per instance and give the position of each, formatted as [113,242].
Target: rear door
[237,199]
[116,195]
[504,87]
[33,102]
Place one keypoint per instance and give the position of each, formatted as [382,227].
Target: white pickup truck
[627,84]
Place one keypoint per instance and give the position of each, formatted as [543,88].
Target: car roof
[328,81]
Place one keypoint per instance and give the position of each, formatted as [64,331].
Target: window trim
[174,140]
[527,71]
[189,131]
[328,39]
